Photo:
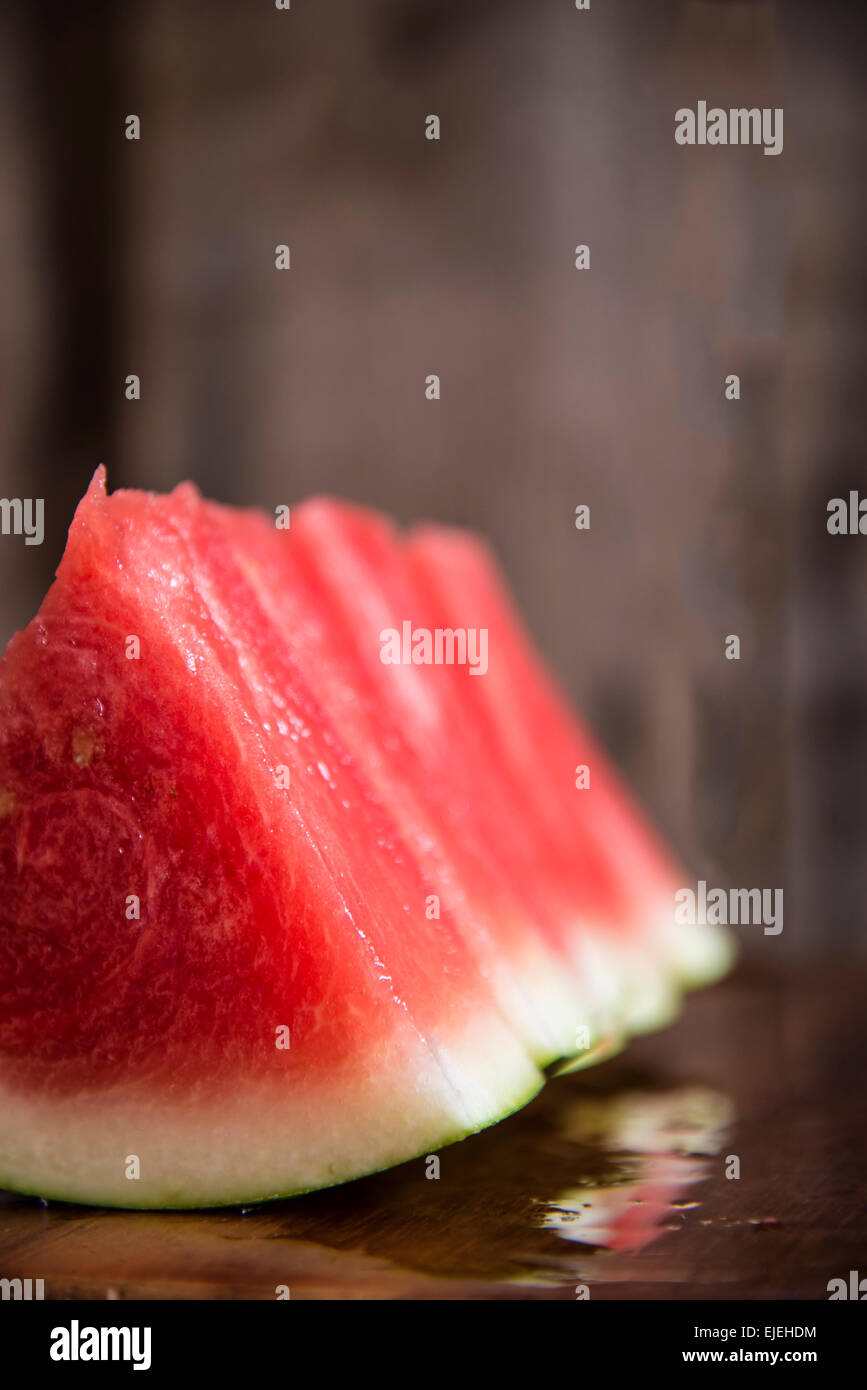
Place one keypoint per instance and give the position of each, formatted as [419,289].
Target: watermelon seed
[82,747]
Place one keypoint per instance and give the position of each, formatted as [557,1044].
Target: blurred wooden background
[411,257]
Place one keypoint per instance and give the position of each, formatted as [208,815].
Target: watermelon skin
[264,907]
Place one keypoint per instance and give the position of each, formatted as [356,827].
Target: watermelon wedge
[277,912]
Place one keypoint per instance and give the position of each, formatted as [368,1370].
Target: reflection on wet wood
[614,1179]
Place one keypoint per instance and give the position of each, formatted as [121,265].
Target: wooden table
[613,1178]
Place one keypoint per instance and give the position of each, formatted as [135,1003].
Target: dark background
[410,257]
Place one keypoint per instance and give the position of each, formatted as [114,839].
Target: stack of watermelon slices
[277,913]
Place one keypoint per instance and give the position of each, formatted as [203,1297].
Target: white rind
[255,1142]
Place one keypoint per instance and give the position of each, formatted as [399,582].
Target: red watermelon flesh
[575,894]
[218,978]
[260,909]
[366,565]
[543,739]
[328,643]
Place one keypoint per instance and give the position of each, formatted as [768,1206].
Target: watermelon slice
[276,913]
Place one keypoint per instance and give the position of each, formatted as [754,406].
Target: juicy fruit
[275,913]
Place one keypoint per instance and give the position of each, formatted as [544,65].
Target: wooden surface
[614,1178]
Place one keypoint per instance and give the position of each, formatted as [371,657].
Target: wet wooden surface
[614,1178]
